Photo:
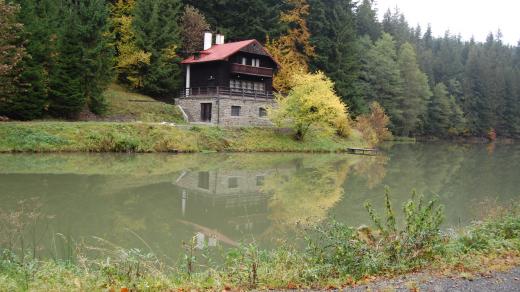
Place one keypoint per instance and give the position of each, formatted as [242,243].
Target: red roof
[221,52]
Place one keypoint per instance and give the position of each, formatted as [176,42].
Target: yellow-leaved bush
[311,101]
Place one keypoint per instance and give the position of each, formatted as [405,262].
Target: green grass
[328,255]
[154,137]
[127,106]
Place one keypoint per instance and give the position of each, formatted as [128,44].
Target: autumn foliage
[374,126]
[11,49]
[293,50]
[311,101]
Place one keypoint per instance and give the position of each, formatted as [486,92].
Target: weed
[334,254]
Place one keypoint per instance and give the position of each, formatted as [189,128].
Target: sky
[465,17]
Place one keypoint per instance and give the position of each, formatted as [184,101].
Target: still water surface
[154,202]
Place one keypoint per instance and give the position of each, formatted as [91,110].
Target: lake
[155,202]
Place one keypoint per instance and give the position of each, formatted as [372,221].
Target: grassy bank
[329,255]
[152,137]
[129,106]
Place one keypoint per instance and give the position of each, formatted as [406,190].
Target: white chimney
[219,39]
[208,39]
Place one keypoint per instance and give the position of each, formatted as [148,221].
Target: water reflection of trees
[247,195]
[308,192]
[462,175]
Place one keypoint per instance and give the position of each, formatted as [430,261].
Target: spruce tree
[40,21]
[98,53]
[65,89]
[439,111]
[244,19]
[333,34]
[83,64]
[473,92]
[158,33]
[382,78]
[395,24]
[366,19]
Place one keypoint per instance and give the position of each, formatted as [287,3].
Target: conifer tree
[395,24]
[40,21]
[332,26]
[98,52]
[366,19]
[439,111]
[65,89]
[381,77]
[244,19]
[83,64]
[416,91]
[158,33]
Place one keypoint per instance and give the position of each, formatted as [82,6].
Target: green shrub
[342,250]
[98,105]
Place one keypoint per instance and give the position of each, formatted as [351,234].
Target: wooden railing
[250,70]
[219,91]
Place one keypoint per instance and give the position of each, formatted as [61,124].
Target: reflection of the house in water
[235,196]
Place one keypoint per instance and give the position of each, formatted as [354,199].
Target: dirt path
[497,281]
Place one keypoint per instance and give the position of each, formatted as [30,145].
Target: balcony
[224,92]
[250,70]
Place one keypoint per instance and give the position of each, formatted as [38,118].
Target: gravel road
[496,281]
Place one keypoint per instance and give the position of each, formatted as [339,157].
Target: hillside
[125,106]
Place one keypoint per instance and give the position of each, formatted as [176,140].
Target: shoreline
[137,137]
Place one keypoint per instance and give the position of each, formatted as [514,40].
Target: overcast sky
[467,17]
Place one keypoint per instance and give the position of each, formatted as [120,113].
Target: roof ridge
[219,52]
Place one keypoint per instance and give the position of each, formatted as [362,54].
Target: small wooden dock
[363,151]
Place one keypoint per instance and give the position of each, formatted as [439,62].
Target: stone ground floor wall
[221,110]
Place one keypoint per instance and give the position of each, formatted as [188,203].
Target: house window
[235,111]
[262,112]
[255,62]
[234,84]
[204,180]
[233,182]
[260,180]
[244,61]
[259,86]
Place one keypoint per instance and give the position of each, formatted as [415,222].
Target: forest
[58,56]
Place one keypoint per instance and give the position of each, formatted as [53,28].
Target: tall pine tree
[83,64]
[366,19]
[332,24]
[381,78]
[244,19]
[158,33]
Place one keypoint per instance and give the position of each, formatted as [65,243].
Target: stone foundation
[221,110]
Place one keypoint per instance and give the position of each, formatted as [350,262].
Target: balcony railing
[219,91]
[250,70]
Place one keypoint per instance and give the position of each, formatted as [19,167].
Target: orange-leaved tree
[293,50]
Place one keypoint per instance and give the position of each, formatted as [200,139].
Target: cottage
[228,84]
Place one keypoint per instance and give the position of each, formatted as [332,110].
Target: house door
[205,112]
